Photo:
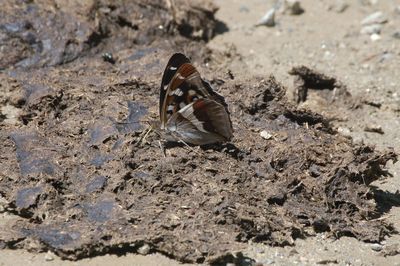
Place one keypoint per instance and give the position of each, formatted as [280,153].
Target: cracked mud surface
[82,174]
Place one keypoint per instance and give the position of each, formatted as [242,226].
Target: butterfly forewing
[173,64]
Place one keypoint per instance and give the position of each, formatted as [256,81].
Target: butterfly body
[190,110]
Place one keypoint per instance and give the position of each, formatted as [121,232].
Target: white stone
[374,18]
[49,256]
[375,37]
[376,247]
[268,19]
[144,250]
[371,29]
[344,131]
[265,135]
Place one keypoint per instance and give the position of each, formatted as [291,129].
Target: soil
[311,169]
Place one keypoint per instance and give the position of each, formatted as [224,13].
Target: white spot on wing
[172,68]
[177,92]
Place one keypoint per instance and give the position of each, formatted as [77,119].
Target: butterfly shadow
[228,148]
[385,200]
[221,27]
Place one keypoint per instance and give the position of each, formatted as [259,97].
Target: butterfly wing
[202,122]
[189,108]
[172,67]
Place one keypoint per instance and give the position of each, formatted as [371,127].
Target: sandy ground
[330,42]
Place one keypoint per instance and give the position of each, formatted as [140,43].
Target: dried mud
[84,174]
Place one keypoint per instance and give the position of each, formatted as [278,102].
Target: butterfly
[190,110]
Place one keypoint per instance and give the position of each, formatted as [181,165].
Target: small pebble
[265,135]
[267,262]
[374,129]
[371,29]
[396,35]
[293,252]
[108,57]
[328,261]
[294,7]
[374,18]
[376,247]
[375,37]
[244,9]
[144,250]
[397,10]
[339,6]
[344,131]
[49,256]
[268,19]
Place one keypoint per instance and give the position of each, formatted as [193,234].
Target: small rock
[372,103]
[49,256]
[293,252]
[374,129]
[260,251]
[267,262]
[344,131]
[374,18]
[391,250]
[265,135]
[244,9]
[397,10]
[328,261]
[371,29]
[108,57]
[396,35]
[386,56]
[339,6]
[303,259]
[376,247]
[268,19]
[375,37]
[294,7]
[3,204]
[144,250]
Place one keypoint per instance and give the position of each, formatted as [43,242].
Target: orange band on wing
[183,72]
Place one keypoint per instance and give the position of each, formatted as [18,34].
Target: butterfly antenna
[171,7]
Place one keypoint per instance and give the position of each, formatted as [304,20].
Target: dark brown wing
[190,108]
[202,122]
